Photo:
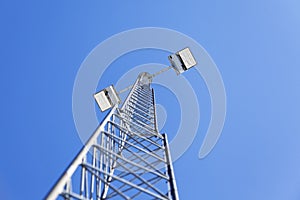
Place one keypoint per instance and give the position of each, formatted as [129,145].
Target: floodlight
[182,60]
[107,98]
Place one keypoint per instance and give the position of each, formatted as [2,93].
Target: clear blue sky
[255,44]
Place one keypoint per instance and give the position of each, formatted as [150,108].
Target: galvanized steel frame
[125,158]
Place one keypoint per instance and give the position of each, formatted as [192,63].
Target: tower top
[145,78]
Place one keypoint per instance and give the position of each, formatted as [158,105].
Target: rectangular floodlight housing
[107,98]
[182,60]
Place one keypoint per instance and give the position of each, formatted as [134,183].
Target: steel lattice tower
[126,157]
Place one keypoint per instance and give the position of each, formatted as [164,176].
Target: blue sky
[255,45]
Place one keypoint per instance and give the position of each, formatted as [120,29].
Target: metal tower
[126,157]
